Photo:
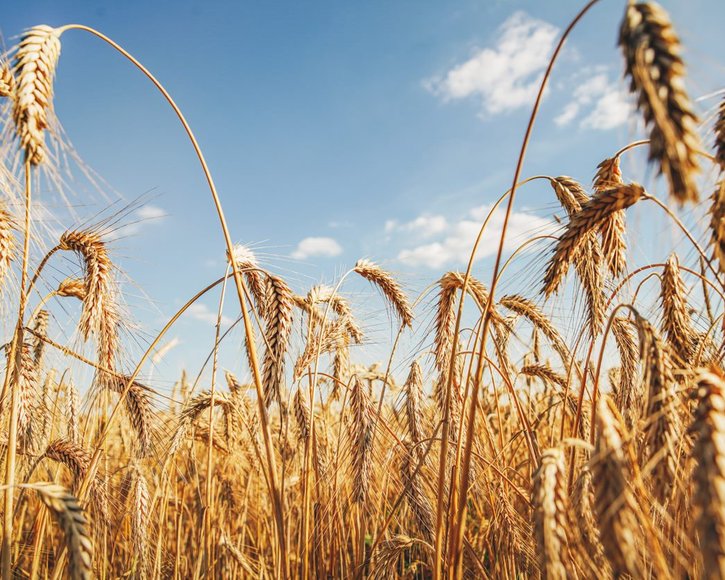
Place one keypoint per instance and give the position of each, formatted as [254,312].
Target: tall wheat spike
[35,61]
[389,287]
[361,436]
[662,424]
[99,315]
[708,451]
[278,320]
[612,230]
[614,500]
[413,403]
[7,241]
[676,321]
[655,68]
[76,527]
[551,525]
[591,217]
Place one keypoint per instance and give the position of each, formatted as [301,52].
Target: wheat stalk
[628,395]
[140,521]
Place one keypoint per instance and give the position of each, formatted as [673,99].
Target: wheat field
[518,442]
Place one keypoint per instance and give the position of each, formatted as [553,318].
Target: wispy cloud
[424,225]
[317,246]
[140,218]
[505,76]
[602,101]
[203,313]
[455,245]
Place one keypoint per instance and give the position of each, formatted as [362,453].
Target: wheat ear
[361,434]
[612,230]
[99,315]
[35,61]
[677,324]
[708,429]
[278,319]
[614,501]
[656,71]
[589,218]
[389,287]
[7,81]
[76,528]
[662,425]
[551,505]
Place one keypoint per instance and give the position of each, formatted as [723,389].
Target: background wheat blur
[512,449]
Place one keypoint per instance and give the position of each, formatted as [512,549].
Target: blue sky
[337,130]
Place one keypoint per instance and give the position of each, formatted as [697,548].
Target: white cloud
[507,75]
[140,218]
[455,247]
[203,313]
[604,100]
[567,115]
[150,212]
[424,225]
[309,247]
[612,110]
